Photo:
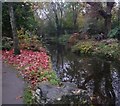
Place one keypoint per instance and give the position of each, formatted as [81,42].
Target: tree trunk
[74,22]
[107,25]
[57,24]
[106,14]
[118,35]
[108,17]
[14,30]
[74,9]
[56,19]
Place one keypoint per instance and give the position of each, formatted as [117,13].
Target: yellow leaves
[81,20]
[84,47]
[21,31]
[102,49]
[26,42]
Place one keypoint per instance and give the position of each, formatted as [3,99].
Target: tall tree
[6,27]
[14,30]
[54,7]
[105,13]
[75,11]
[23,14]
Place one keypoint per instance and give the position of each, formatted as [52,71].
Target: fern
[114,32]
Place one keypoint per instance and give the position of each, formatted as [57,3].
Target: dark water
[100,78]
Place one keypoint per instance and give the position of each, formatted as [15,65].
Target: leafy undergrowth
[108,48]
[34,67]
[27,97]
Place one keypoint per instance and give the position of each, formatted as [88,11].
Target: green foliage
[49,29]
[0,46]
[28,42]
[95,26]
[63,39]
[108,51]
[107,48]
[83,48]
[50,76]
[27,97]
[81,21]
[6,27]
[68,23]
[7,43]
[114,33]
[24,17]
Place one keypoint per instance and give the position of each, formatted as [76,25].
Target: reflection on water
[98,77]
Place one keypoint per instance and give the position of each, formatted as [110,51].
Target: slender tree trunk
[107,25]
[14,30]
[57,25]
[108,18]
[74,22]
[74,17]
[56,19]
[118,36]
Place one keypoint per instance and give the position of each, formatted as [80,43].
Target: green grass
[27,97]
[51,77]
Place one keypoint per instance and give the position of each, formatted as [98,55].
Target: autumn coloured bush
[31,65]
[30,43]
[83,48]
[73,38]
[107,48]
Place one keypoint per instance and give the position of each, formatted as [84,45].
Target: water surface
[99,77]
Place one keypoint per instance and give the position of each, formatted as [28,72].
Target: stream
[100,78]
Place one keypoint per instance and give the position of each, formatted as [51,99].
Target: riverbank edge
[28,97]
[108,49]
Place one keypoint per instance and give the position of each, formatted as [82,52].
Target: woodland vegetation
[89,28]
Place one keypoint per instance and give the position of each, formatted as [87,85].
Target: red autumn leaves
[29,63]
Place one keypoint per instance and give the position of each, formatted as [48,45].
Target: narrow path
[12,86]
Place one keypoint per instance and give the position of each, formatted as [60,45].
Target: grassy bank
[108,48]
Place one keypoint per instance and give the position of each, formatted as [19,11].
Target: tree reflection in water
[88,73]
[101,71]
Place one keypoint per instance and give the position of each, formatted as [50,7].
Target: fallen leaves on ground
[29,63]
[18,97]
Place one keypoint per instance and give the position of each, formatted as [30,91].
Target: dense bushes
[28,41]
[107,48]
[25,42]
[7,43]
[63,39]
[83,47]
[31,43]
[115,33]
